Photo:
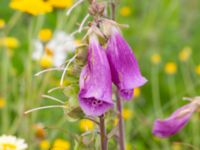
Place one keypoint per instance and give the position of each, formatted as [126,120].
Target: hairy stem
[104,140]
[120,123]
[113,7]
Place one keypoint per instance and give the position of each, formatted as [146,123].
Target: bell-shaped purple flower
[173,124]
[95,94]
[124,66]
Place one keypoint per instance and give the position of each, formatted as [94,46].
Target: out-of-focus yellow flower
[45,35]
[9,42]
[116,120]
[78,42]
[136,92]
[2,23]
[86,125]
[176,146]
[197,69]
[2,102]
[155,58]
[66,82]
[60,144]
[34,7]
[125,11]
[128,146]
[40,132]
[155,138]
[61,3]
[44,145]
[48,51]
[127,114]
[185,54]
[46,61]
[170,68]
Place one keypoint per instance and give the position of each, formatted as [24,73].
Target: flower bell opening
[92,106]
[95,94]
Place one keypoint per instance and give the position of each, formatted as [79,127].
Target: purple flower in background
[173,124]
[124,66]
[95,94]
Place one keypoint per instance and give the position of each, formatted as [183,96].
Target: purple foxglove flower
[173,124]
[124,66]
[95,94]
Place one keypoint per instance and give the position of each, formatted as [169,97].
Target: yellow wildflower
[136,92]
[125,11]
[39,131]
[170,68]
[34,7]
[197,69]
[46,61]
[78,42]
[127,114]
[9,42]
[155,58]
[61,3]
[86,125]
[185,54]
[128,146]
[176,146]
[116,121]
[2,23]
[48,51]
[61,144]
[44,145]
[2,102]
[45,35]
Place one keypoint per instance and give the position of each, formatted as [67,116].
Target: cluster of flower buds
[96,9]
[110,60]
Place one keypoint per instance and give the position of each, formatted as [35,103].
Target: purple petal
[126,93]
[173,124]
[124,66]
[95,94]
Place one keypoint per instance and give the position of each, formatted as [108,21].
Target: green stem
[4,88]
[156,98]
[187,80]
[120,123]
[156,91]
[104,140]
[28,82]
[172,91]
[74,17]
[191,91]
[12,22]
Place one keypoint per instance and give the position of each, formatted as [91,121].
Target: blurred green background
[165,37]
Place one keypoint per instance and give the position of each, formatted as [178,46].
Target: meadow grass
[164,27]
